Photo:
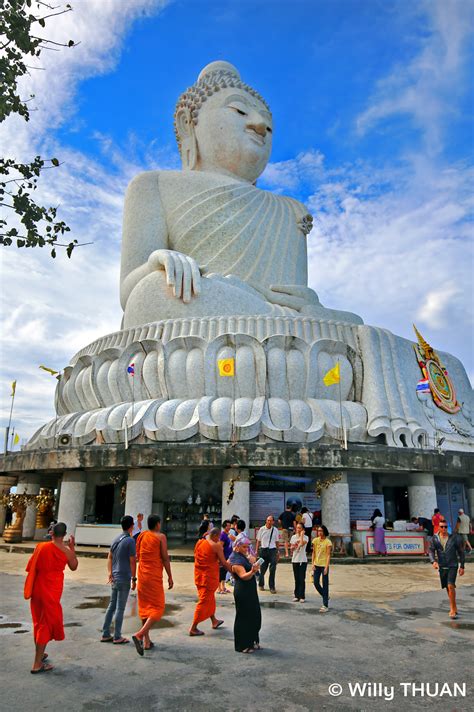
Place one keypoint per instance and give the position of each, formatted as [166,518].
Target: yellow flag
[13,388]
[332,376]
[16,439]
[226,366]
[49,370]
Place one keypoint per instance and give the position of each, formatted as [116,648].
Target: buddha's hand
[182,272]
[294,296]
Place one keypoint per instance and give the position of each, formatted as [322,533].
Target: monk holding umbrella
[44,587]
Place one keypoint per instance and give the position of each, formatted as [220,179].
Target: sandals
[121,641]
[247,650]
[44,668]
[138,645]
[196,633]
[219,623]
[107,640]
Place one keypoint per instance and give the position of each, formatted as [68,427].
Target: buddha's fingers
[196,274]
[283,299]
[178,275]
[187,278]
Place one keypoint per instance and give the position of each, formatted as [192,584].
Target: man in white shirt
[267,547]
[464,528]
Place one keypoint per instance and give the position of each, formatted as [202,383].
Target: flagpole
[7,431]
[343,432]
[12,436]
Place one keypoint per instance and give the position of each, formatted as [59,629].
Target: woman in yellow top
[322,547]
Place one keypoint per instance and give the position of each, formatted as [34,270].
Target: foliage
[38,225]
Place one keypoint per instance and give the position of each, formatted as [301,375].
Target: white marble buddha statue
[205,241]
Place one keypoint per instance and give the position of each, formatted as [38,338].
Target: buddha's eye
[239,111]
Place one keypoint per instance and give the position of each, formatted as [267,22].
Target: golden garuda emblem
[435,376]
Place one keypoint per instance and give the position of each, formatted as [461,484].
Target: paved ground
[388,624]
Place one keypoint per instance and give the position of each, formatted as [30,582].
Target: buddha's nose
[257,124]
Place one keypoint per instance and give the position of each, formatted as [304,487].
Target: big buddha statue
[205,241]
[214,269]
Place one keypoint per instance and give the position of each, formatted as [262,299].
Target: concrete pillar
[139,497]
[422,494]
[470,497]
[6,483]
[71,499]
[240,502]
[30,484]
[335,505]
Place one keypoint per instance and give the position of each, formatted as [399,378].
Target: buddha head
[223,126]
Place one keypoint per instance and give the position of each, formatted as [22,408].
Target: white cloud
[423,88]
[52,308]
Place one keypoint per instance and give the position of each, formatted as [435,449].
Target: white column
[335,505]
[71,499]
[422,495]
[29,484]
[139,496]
[470,498]
[6,482]
[240,502]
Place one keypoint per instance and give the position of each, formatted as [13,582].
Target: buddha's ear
[185,127]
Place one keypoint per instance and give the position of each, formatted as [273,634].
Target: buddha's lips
[256,137]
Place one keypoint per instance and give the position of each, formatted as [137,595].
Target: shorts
[222,573]
[285,535]
[464,537]
[448,576]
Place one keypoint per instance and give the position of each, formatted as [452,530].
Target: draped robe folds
[206,578]
[44,586]
[236,228]
[150,592]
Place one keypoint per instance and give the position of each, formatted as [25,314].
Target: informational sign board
[304,499]
[414,544]
[360,483]
[361,506]
[264,503]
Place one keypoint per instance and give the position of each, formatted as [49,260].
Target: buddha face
[233,135]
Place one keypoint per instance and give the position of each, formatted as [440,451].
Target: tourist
[122,568]
[152,556]
[435,520]
[137,526]
[307,522]
[233,533]
[248,617]
[322,548]
[205,520]
[208,555]
[464,528]
[287,520]
[299,560]
[242,533]
[449,550]
[227,549]
[378,521]
[267,541]
[44,586]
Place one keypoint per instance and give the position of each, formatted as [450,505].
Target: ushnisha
[205,241]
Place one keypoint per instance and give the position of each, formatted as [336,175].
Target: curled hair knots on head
[195,96]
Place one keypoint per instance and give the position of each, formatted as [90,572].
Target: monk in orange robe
[208,554]
[152,556]
[44,587]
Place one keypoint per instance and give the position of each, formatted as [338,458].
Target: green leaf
[71,43]
[55,162]
[53,253]
[69,249]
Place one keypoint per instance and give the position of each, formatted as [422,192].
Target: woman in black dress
[248,618]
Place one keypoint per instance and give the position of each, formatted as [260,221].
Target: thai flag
[423,386]
[131,369]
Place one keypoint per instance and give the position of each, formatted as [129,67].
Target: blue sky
[372,105]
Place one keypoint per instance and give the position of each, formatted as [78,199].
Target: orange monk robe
[44,586]
[206,578]
[150,592]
